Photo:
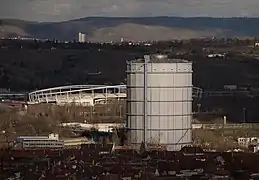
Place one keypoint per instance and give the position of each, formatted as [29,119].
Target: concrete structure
[101,127]
[246,141]
[86,95]
[168,98]
[39,142]
[76,142]
[81,37]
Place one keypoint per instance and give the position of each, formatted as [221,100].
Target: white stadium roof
[87,95]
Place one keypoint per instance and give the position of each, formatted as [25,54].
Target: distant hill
[142,28]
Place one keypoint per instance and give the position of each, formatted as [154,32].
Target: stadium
[85,95]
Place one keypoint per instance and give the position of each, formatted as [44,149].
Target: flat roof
[28,138]
[160,58]
[33,137]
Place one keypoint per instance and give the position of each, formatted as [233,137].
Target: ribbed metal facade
[169,103]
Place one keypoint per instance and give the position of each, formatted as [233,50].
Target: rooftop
[160,58]
[49,137]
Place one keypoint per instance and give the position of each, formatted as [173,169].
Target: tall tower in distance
[81,37]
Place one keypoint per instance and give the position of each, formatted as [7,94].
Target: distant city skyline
[61,10]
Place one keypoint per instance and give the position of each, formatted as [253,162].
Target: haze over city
[61,10]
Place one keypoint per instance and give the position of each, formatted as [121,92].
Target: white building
[40,142]
[73,142]
[216,55]
[81,37]
[246,141]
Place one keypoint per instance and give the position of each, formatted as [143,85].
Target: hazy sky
[57,10]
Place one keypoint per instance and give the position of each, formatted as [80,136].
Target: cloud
[57,10]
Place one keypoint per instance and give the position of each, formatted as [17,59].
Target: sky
[61,10]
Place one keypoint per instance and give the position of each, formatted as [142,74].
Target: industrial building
[159,95]
[51,141]
[76,142]
[159,102]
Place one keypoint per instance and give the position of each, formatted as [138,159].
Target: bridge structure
[86,95]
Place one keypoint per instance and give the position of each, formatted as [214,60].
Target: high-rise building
[81,37]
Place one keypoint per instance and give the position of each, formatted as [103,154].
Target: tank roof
[159,58]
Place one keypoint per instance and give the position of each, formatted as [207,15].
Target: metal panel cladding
[169,103]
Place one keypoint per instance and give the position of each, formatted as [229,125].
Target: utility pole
[244,115]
